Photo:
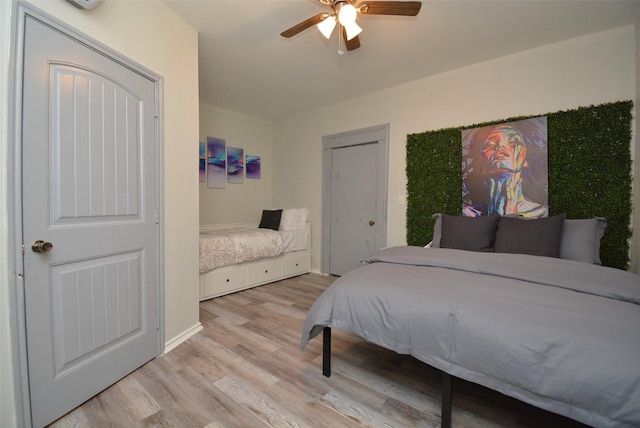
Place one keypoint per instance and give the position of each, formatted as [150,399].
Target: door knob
[371,222]
[41,246]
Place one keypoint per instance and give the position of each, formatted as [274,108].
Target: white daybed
[292,261]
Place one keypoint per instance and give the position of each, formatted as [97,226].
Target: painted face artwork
[504,169]
[504,150]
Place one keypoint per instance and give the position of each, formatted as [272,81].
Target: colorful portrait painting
[216,163]
[235,165]
[253,166]
[505,169]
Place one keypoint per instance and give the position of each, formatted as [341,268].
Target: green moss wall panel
[589,173]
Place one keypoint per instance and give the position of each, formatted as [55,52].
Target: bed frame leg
[447,400]
[326,351]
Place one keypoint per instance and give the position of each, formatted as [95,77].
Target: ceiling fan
[344,14]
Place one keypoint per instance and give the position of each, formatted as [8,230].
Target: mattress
[559,334]
[294,240]
[231,246]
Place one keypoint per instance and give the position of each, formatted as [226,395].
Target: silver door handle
[41,246]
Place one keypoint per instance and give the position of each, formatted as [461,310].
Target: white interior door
[89,190]
[353,206]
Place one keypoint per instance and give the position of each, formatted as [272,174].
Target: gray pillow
[468,233]
[538,237]
[270,219]
[581,239]
[437,231]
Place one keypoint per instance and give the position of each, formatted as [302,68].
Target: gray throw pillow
[468,233]
[437,231]
[538,237]
[581,239]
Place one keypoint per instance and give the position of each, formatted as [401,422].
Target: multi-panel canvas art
[220,164]
[253,166]
[235,165]
[216,163]
[202,166]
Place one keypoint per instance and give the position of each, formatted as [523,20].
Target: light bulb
[347,14]
[326,27]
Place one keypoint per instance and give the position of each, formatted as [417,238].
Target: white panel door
[90,190]
[353,203]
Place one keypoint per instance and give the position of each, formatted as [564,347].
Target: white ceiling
[247,67]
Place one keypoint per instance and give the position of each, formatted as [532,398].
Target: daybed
[238,256]
[560,334]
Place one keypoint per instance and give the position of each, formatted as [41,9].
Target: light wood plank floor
[245,369]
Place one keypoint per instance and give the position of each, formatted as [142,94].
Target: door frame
[14,188]
[375,134]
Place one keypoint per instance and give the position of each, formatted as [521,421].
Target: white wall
[137,30]
[588,70]
[237,202]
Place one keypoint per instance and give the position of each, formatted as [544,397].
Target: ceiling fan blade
[406,8]
[304,25]
[352,44]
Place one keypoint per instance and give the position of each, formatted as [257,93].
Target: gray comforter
[560,335]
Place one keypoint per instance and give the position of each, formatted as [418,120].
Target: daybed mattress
[294,240]
[231,246]
[226,247]
[558,334]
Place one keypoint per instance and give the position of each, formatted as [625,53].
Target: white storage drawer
[263,271]
[293,264]
[224,280]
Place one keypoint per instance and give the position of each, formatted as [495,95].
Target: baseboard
[176,341]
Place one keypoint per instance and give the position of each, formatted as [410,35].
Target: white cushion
[293,218]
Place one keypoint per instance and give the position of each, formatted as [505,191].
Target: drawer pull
[296,264]
[227,279]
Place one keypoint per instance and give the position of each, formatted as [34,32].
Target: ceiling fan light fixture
[347,14]
[344,14]
[327,25]
[352,30]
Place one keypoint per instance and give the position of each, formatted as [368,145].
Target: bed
[238,256]
[558,333]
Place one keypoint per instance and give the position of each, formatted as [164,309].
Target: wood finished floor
[245,369]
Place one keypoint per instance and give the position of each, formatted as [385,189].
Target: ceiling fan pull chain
[340,36]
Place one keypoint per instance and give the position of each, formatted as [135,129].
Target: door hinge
[157,217]
[157,322]
[155,111]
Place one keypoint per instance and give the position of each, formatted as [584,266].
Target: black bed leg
[326,351]
[447,400]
